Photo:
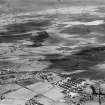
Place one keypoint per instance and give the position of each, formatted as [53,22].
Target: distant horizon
[38,5]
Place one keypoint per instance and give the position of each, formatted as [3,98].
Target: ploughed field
[61,40]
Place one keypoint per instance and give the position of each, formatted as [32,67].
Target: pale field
[22,95]
[47,95]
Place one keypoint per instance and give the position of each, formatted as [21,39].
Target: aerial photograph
[52,52]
